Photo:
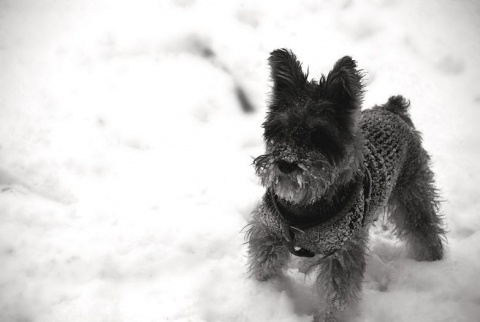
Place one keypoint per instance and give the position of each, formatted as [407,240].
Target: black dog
[329,169]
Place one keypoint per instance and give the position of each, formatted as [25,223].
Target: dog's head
[312,139]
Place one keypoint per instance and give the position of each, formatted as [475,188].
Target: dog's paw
[426,250]
[326,317]
[263,275]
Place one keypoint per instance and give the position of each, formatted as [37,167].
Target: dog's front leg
[267,255]
[340,277]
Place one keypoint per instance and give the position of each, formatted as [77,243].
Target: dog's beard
[306,185]
[299,188]
[293,192]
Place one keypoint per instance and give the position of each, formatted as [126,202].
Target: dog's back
[401,177]
[390,139]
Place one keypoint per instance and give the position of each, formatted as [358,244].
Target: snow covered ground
[125,156]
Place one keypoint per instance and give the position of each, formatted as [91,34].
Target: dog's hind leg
[414,211]
[267,255]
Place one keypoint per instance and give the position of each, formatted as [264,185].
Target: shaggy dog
[329,169]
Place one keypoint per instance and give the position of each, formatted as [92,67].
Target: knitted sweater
[386,141]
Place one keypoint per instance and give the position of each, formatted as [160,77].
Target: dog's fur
[329,169]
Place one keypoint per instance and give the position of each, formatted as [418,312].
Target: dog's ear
[344,84]
[287,76]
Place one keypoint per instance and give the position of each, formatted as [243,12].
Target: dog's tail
[399,105]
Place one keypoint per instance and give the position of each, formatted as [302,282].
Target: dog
[329,169]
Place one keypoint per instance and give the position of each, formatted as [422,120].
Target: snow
[125,157]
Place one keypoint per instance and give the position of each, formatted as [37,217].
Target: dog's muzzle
[287,167]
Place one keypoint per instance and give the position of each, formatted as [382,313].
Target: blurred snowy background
[125,153]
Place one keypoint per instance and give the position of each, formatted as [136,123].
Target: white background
[125,157]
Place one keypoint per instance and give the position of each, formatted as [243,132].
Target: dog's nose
[287,167]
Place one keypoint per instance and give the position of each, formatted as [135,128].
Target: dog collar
[289,226]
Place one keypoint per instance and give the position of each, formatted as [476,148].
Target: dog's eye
[317,136]
[321,139]
[327,145]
